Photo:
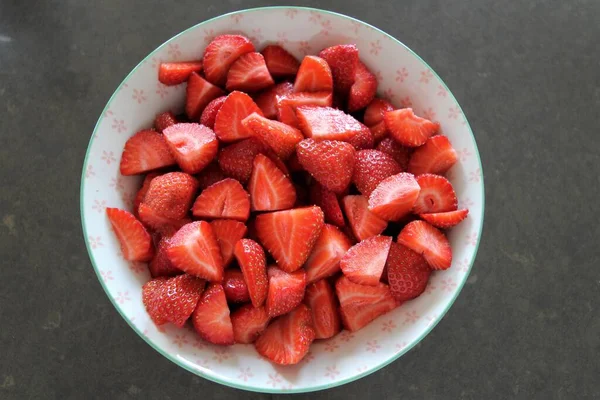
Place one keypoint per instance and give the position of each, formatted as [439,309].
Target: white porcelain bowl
[404,79]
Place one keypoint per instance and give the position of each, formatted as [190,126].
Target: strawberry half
[363,263]
[225,199]
[160,265]
[328,201]
[172,300]
[407,273]
[164,120]
[211,317]
[445,220]
[277,135]
[174,73]
[363,139]
[249,73]
[210,175]
[139,196]
[324,260]
[145,151]
[253,263]
[395,196]
[149,294]
[363,222]
[363,90]
[248,323]
[270,189]
[228,232]
[171,195]
[209,115]
[288,103]
[398,152]
[135,241]
[193,145]
[156,221]
[279,62]
[286,291]
[375,111]
[370,168]
[314,75]
[330,162]
[436,156]
[221,53]
[408,129]
[236,290]
[436,195]
[198,94]
[326,123]
[427,240]
[228,124]
[343,61]
[267,100]
[320,298]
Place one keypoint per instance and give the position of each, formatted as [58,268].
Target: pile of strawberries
[269,217]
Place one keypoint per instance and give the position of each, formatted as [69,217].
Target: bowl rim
[217,379]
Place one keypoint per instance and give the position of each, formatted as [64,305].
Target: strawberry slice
[407,273]
[145,151]
[320,298]
[228,232]
[288,103]
[375,111]
[379,131]
[139,196]
[225,199]
[253,263]
[270,189]
[248,323]
[326,123]
[209,115]
[363,90]
[330,162]
[328,201]
[363,222]
[363,139]
[290,235]
[249,73]
[235,286]
[436,195]
[156,221]
[198,94]
[279,136]
[286,291]
[364,262]
[164,120]
[160,265]
[149,295]
[361,304]
[210,175]
[407,129]
[194,249]
[174,73]
[228,123]
[279,62]
[395,196]
[324,260]
[221,53]
[370,168]
[171,195]
[436,156]
[135,241]
[445,220]
[211,317]
[314,75]
[267,99]
[398,152]
[427,240]
[193,145]
[343,61]
[172,300]
[287,339]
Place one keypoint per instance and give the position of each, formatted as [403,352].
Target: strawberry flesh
[193,145]
[363,222]
[228,232]
[370,168]
[395,196]
[328,201]
[314,75]
[228,123]
[135,241]
[425,239]
[252,260]
[324,260]
[279,62]
[248,323]
[363,263]
[436,156]
[408,129]
[174,73]
[164,120]
[209,115]
[211,317]
[445,220]
[326,123]
[320,298]
[330,162]
[277,135]
[221,53]
[286,291]
[249,73]
[270,189]
[363,90]
[436,195]
[267,99]
[145,151]
[199,93]
[225,199]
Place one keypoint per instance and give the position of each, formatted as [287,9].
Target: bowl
[404,79]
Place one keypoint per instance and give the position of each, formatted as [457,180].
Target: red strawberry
[324,260]
[209,115]
[199,93]
[248,323]
[427,240]
[379,131]
[293,163]
[171,195]
[270,189]
[407,129]
[398,152]
[436,156]
[149,294]
[160,264]
[437,195]
[370,168]
[363,139]
[326,123]
[320,298]
[288,103]
[375,111]
[235,286]
[253,263]
[236,160]
[330,162]
[193,145]
[172,300]
[363,222]
[395,196]
[363,90]
[328,201]
[314,75]
[445,220]
[279,62]
[361,304]
[287,339]
[407,273]
[343,61]
[139,196]
[135,241]
[267,100]
[286,291]
[290,235]
[145,151]
[364,262]
[249,73]
[164,120]
[177,72]
[228,124]
[221,53]
[228,232]
[211,317]
[194,249]
[210,175]
[225,199]
[279,136]
[156,221]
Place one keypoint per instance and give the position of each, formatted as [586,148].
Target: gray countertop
[527,324]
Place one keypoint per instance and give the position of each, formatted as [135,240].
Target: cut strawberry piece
[193,145]
[379,131]
[270,189]
[427,240]
[286,291]
[199,93]
[210,175]
[330,162]
[370,168]
[363,139]
[326,123]
[248,323]
[436,156]
[235,286]
[156,221]
[172,300]
[228,124]
[279,62]
[249,73]
[343,61]
[135,241]
[363,222]
[177,72]
[171,195]
[209,115]
[445,220]
[364,262]
[328,201]
[290,235]
[287,104]
[149,295]
[194,249]
[160,265]
[395,196]
[221,53]
[279,136]
[164,120]
[320,298]
[314,75]
[407,129]
[324,260]
[375,111]
[211,317]
[139,196]
[226,199]
[363,90]
[436,195]
[228,232]
[398,152]
[253,263]
[267,100]
[287,339]
[407,273]
[145,151]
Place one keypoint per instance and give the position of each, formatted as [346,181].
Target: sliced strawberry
[330,162]
[193,145]
[210,175]
[395,196]
[364,262]
[156,221]
[171,195]
[436,156]
[228,232]
[287,339]
[279,62]
[145,151]
[445,220]
[363,139]
[267,100]
[314,75]
[228,124]
[407,129]
[328,201]
[149,295]
[253,263]
[286,291]
[235,286]
[139,196]
[177,72]
[363,222]
[324,260]
[320,298]
[326,123]
[194,249]
[209,115]
[375,111]
[249,73]
[172,300]
[164,120]
[135,241]
[199,93]
[398,152]
[379,131]
[225,199]
[363,90]
[427,240]
[370,168]
[277,135]
[436,195]
[221,53]
[160,265]
[248,323]
[211,317]
[288,103]
[290,235]
[270,189]
[343,61]
[407,273]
